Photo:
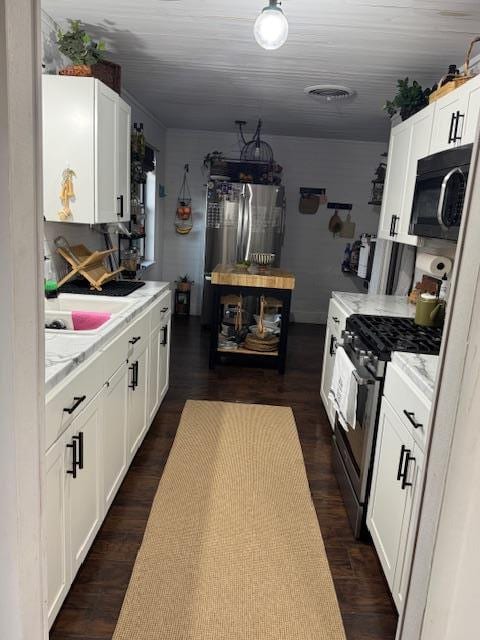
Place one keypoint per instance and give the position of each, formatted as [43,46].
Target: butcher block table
[228,283]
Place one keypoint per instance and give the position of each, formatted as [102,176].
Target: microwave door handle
[443,192]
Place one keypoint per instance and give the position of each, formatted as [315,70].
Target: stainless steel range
[369,342]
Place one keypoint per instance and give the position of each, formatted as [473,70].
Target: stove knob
[363,358]
[347,337]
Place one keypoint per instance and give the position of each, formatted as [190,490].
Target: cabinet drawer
[406,399]
[126,345]
[66,402]
[160,311]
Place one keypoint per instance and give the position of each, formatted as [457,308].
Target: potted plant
[82,50]
[409,99]
[184,283]
[215,163]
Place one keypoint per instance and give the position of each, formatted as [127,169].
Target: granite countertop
[375,305]
[421,369]
[64,352]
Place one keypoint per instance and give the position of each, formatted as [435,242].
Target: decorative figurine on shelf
[67,193]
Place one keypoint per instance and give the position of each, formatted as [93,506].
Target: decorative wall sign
[311,198]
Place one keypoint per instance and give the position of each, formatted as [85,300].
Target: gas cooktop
[384,334]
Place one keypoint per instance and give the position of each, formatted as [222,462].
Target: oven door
[356,445]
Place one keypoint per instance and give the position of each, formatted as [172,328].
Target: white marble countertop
[64,352]
[421,369]
[374,305]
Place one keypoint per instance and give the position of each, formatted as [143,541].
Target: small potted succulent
[184,283]
[82,50]
[409,99]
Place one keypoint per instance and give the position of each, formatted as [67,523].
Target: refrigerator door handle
[249,221]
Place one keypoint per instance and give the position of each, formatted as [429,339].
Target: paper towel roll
[435,266]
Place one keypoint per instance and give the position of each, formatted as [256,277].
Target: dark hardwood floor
[91,609]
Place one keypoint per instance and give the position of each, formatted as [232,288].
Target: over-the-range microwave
[440,193]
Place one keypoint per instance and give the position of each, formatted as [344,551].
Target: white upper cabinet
[409,141]
[86,128]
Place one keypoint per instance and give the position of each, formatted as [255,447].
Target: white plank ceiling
[195,64]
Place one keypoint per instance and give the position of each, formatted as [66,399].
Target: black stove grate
[384,334]
[115,288]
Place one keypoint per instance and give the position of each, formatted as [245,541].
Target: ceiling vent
[330,92]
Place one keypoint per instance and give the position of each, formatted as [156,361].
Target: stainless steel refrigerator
[240,219]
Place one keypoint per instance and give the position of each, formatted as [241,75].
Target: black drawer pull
[134,370]
[335,319]
[411,418]
[165,336]
[400,462]
[79,438]
[408,459]
[77,402]
[120,213]
[73,470]
[135,340]
[450,133]
[333,345]
[163,309]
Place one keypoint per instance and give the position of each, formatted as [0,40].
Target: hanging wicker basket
[447,87]
[183,212]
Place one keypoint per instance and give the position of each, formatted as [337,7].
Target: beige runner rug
[232,549]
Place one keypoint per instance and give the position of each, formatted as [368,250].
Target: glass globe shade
[271,28]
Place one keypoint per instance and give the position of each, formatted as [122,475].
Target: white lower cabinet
[394,495]
[85,508]
[114,434]
[137,401]
[114,403]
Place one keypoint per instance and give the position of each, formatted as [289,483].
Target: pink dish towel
[88,320]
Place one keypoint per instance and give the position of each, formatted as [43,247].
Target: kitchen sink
[72,302]
[59,310]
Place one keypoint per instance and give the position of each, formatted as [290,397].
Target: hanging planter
[183,213]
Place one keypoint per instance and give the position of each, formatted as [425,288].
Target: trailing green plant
[77,45]
[185,278]
[409,99]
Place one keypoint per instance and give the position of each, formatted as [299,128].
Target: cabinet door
[106,154]
[407,538]
[137,402]
[473,112]
[123,160]
[446,123]
[154,358]
[58,559]
[388,500]
[114,434]
[85,504]
[164,368]
[420,135]
[392,202]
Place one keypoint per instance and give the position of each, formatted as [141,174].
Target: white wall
[344,167]
[155,134]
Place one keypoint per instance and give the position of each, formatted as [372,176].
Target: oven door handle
[443,192]
[362,381]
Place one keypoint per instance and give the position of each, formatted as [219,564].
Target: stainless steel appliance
[369,342]
[241,219]
[440,193]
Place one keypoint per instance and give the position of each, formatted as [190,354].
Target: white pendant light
[271,27]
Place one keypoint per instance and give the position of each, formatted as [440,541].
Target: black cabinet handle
[335,319]
[393,226]
[73,470]
[133,383]
[163,309]
[333,345]
[450,133]
[165,335]
[411,418]
[79,438]
[458,116]
[408,459]
[135,340]
[400,462]
[120,213]
[77,402]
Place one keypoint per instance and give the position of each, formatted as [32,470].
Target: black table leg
[285,296]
